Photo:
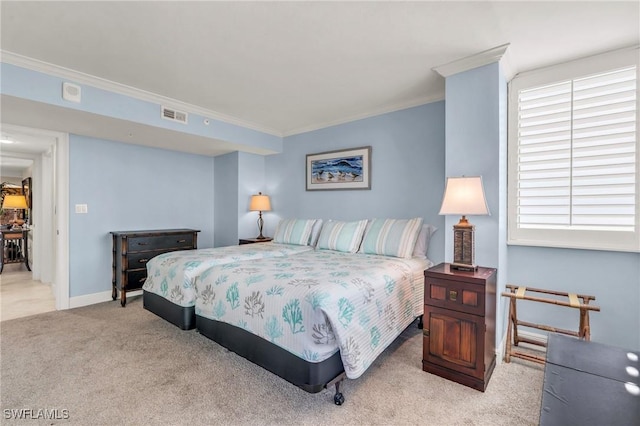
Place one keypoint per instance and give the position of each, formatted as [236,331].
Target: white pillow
[391,237]
[341,236]
[422,243]
[293,231]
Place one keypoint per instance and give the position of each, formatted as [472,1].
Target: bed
[169,289]
[313,318]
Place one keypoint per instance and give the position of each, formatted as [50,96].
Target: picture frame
[339,170]
[27,191]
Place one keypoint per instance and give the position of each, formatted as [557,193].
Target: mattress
[317,303]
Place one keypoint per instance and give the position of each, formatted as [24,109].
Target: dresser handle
[182,241]
[453,295]
[143,260]
[426,332]
[142,244]
[143,279]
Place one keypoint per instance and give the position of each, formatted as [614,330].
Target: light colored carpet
[111,365]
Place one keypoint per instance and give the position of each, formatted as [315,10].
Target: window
[573,155]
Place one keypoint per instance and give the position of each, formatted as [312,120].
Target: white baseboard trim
[92,299]
[538,337]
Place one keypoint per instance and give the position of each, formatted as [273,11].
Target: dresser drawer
[138,260]
[135,279]
[161,242]
[455,295]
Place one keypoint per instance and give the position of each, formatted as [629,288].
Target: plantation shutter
[576,155]
[573,154]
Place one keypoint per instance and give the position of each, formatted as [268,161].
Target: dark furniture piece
[183,317]
[253,240]
[588,383]
[309,376]
[459,324]
[133,249]
[15,247]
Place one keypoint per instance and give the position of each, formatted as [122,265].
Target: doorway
[48,230]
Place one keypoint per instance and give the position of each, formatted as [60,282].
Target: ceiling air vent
[173,115]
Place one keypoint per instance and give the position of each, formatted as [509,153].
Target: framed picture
[27,191]
[344,169]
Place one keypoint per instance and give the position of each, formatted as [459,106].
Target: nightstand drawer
[456,295]
[161,242]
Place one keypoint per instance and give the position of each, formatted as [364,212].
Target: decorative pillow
[341,236]
[293,231]
[422,243]
[392,237]
[315,233]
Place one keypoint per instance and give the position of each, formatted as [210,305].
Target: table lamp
[260,203]
[15,202]
[464,196]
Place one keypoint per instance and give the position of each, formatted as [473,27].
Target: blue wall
[226,197]
[407,171]
[130,187]
[475,142]
[612,277]
[41,87]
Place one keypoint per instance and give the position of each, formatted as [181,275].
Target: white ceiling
[287,67]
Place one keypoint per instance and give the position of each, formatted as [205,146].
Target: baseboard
[92,299]
[538,337]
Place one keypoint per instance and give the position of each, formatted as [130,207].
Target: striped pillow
[294,231]
[391,237]
[341,236]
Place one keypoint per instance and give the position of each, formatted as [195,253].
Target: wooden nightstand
[459,324]
[253,240]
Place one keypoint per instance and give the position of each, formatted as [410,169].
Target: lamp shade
[464,196]
[260,203]
[14,202]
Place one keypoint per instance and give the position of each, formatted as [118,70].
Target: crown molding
[390,108]
[111,86]
[474,61]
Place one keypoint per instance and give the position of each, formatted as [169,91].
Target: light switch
[81,208]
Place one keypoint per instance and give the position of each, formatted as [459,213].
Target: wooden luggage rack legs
[577,301]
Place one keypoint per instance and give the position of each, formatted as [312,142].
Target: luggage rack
[576,301]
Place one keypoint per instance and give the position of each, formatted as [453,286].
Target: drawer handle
[453,295]
[426,332]
[142,244]
[143,260]
[141,280]
[182,241]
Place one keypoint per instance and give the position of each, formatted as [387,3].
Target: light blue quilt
[172,275]
[315,303]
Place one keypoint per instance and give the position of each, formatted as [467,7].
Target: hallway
[20,296]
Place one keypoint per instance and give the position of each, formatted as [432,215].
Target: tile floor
[20,296]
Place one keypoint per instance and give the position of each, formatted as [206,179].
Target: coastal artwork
[344,169]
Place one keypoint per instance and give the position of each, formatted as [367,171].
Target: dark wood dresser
[133,249]
[459,324]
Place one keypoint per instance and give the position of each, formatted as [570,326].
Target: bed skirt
[181,316]
[309,376]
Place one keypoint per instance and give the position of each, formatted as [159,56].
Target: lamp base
[463,267]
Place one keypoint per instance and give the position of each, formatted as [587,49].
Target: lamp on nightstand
[15,202]
[260,203]
[464,196]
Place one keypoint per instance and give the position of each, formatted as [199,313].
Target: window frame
[569,238]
